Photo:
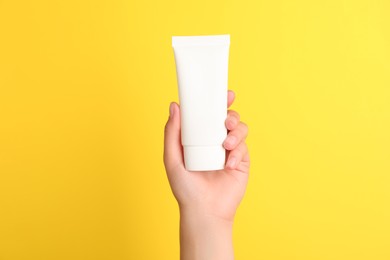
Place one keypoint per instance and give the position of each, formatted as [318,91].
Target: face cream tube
[202,75]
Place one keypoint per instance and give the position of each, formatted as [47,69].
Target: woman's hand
[207,200]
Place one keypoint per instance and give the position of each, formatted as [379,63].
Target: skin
[207,200]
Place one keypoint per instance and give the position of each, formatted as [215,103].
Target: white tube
[202,75]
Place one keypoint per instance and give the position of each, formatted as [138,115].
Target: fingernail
[231,162]
[171,110]
[231,140]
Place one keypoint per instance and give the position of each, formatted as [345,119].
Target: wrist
[198,215]
[205,236]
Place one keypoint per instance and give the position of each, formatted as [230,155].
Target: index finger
[231,97]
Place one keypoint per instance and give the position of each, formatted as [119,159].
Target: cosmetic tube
[202,76]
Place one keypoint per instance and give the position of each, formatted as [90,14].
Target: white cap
[204,158]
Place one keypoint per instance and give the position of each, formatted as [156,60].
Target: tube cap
[204,158]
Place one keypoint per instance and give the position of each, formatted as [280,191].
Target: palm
[221,190]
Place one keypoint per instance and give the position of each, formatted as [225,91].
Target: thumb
[173,154]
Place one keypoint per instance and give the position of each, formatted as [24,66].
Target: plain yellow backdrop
[84,93]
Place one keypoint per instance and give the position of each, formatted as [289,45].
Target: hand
[216,193]
[207,199]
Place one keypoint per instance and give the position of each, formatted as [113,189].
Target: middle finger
[236,136]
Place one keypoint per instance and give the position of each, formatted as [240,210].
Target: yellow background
[84,93]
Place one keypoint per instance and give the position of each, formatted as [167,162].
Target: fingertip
[174,111]
[237,155]
[173,123]
[230,124]
[231,162]
[231,97]
[230,142]
[232,120]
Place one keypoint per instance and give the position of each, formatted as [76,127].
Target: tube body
[202,75]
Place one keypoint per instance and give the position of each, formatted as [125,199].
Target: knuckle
[245,148]
[240,150]
[244,127]
[234,114]
[238,116]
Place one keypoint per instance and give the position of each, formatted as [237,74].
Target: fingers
[231,97]
[239,154]
[173,155]
[236,136]
[232,120]
[235,141]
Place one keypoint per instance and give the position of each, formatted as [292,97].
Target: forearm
[204,237]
